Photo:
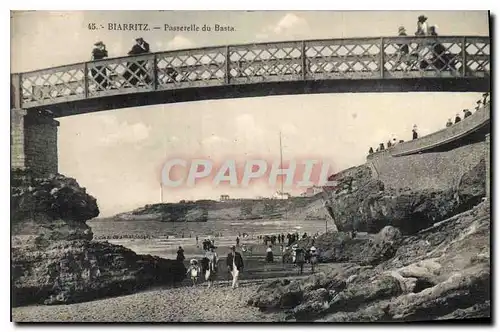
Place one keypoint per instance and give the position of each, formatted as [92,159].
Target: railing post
[155,72]
[303,58]
[464,57]
[228,69]
[17,93]
[86,79]
[382,53]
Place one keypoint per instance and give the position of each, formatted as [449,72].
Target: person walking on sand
[210,265]
[180,255]
[234,264]
[269,255]
[194,271]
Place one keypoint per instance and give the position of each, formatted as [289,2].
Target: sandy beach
[220,303]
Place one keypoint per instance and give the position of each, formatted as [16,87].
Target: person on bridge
[234,264]
[457,118]
[449,123]
[403,51]
[467,113]
[137,70]
[99,73]
[422,29]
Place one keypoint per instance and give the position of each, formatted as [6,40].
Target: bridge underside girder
[269,89]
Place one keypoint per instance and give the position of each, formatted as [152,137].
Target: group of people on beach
[208,267]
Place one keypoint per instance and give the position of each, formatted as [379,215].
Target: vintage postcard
[250,166]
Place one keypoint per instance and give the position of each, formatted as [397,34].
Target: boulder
[80,270]
[366,205]
[54,259]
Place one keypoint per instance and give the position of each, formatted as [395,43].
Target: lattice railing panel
[265,60]
[342,58]
[120,74]
[359,58]
[52,84]
[179,67]
[429,55]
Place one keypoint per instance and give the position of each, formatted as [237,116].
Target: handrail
[395,38]
[303,60]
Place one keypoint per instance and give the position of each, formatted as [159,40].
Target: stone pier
[488,166]
[33,142]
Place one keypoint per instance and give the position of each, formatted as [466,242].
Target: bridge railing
[357,58]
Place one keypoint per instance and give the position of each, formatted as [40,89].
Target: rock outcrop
[54,259]
[366,205]
[442,272]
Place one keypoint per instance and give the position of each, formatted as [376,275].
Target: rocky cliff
[362,203]
[442,272]
[54,259]
[299,208]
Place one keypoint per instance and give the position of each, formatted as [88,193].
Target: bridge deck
[300,65]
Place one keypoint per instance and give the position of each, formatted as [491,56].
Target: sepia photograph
[250,166]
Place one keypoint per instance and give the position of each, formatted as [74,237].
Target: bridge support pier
[33,142]
[488,166]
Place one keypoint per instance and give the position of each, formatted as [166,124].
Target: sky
[117,154]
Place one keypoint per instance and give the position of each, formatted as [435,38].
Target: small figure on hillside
[180,255]
[194,271]
[485,98]
[414,132]
[269,254]
[449,123]
[370,151]
[457,118]
[381,147]
[467,113]
[389,144]
[478,105]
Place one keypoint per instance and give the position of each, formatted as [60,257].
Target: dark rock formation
[365,205]
[442,272]
[54,259]
[369,249]
[472,186]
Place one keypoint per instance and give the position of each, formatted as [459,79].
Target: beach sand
[219,303]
